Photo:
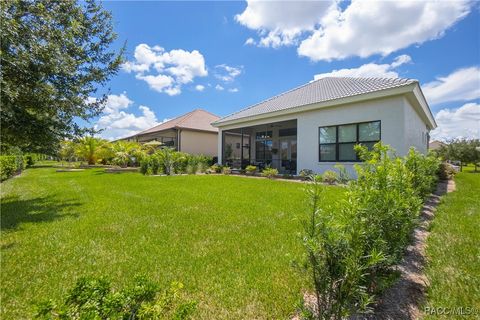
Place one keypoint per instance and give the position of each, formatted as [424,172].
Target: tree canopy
[55,54]
[463,150]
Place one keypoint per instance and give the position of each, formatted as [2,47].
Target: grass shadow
[15,211]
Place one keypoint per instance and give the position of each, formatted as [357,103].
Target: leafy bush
[216,168]
[446,171]
[30,159]
[343,176]
[145,166]
[250,169]
[269,172]
[155,164]
[384,195]
[226,170]
[192,164]
[349,256]
[424,170]
[93,298]
[329,177]
[335,260]
[306,173]
[8,166]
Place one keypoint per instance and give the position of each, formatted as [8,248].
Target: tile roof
[197,119]
[321,90]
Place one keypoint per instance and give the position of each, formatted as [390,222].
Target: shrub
[8,166]
[446,171]
[385,198]
[195,163]
[329,177]
[424,170]
[343,176]
[93,298]
[226,170]
[155,164]
[335,260]
[171,161]
[216,168]
[306,173]
[30,159]
[269,172]
[145,167]
[250,169]
[351,245]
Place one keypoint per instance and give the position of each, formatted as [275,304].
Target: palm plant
[87,148]
[125,152]
[169,158]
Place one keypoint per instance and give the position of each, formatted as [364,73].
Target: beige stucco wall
[198,142]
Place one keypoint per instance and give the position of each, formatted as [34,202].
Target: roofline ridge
[271,98]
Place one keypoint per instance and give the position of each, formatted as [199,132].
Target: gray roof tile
[322,90]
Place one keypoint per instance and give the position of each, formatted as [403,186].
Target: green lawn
[230,240]
[454,248]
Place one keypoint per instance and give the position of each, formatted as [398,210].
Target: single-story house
[317,125]
[435,145]
[191,133]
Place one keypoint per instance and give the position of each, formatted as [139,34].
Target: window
[336,143]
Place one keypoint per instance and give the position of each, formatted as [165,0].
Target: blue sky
[224,56]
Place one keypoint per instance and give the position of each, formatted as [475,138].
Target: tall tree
[54,55]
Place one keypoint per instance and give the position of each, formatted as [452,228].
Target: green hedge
[9,166]
[14,163]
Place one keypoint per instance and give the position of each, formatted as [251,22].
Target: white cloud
[369,70]
[365,28]
[325,31]
[227,73]
[199,87]
[116,123]
[233,90]
[460,85]
[158,83]
[282,22]
[250,42]
[463,122]
[168,70]
[219,87]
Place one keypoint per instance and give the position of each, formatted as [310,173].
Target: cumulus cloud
[233,90]
[460,85]
[325,31]
[117,123]
[166,71]
[463,122]
[227,73]
[282,22]
[369,70]
[219,87]
[199,87]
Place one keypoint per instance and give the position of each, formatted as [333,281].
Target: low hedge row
[15,163]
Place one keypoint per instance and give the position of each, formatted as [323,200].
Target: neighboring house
[434,145]
[317,125]
[191,133]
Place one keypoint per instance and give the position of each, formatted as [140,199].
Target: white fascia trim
[314,106]
[420,97]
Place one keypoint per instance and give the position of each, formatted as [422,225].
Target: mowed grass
[454,249]
[230,240]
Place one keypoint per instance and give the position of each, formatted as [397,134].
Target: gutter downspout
[179,135]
